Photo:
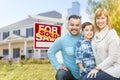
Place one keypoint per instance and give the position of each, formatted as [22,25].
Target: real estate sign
[45,35]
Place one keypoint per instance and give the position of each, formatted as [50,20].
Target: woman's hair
[98,13]
[86,24]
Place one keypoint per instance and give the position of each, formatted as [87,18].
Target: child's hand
[83,72]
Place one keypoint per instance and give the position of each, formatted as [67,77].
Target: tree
[113,7]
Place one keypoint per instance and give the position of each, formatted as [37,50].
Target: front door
[16,52]
[5,54]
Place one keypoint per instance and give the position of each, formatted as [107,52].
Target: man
[66,44]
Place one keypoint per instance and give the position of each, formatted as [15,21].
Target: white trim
[9,49]
[25,46]
[43,44]
[47,18]
[12,37]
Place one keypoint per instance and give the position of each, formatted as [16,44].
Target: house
[17,39]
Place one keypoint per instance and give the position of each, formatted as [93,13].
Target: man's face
[74,26]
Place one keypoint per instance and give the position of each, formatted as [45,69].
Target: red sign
[45,34]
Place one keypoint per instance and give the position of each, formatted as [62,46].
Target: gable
[13,37]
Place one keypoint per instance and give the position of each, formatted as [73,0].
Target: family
[89,52]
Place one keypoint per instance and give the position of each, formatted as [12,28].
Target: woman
[106,49]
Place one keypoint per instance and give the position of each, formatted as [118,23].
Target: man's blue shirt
[66,44]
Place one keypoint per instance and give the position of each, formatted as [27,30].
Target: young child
[84,54]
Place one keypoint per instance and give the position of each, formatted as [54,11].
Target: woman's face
[101,21]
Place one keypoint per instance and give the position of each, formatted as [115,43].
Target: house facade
[17,39]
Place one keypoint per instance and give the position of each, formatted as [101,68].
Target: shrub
[35,61]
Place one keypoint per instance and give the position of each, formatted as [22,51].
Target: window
[5,35]
[0,35]
[59,24]
[30,52]
[44,54]
[5,52]
[29,32]
[17,32]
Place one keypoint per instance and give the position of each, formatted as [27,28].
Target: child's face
[88,32]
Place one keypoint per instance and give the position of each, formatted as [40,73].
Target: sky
[12,11]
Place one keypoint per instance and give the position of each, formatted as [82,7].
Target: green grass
[27,72]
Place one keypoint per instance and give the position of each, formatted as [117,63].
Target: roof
[30,21]
[52,14]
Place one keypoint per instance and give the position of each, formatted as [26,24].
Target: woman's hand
[92,73]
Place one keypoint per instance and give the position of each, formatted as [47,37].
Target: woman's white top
[106,49]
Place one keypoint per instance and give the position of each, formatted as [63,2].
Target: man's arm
[56,46]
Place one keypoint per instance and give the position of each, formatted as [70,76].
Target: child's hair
[86,24]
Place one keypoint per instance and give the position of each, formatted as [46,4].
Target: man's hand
[63,67]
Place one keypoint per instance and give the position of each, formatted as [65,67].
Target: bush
[1,57]
[35,61]
[22,57]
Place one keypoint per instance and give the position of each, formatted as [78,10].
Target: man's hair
[75,17]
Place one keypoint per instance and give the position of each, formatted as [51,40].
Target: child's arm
[82,69]
[81,66]
[79,55]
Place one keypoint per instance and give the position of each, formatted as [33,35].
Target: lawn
[26,72]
